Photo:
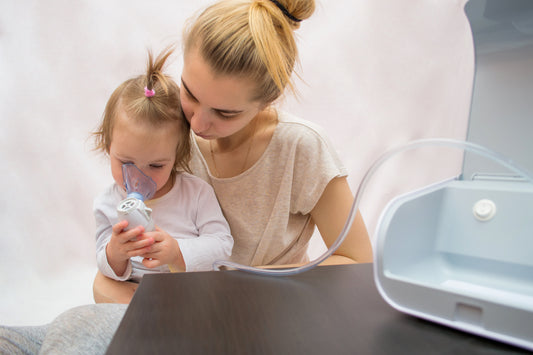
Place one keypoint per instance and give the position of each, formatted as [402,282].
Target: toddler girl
[143,125]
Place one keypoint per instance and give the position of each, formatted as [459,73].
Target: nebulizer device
[139,187]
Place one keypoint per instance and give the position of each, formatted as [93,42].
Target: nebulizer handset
[139,188]
[452,143]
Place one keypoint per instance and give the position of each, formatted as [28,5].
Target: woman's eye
[227,116]
[189,96]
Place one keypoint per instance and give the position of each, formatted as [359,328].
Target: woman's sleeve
[316,164]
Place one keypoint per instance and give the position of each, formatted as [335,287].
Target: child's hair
[153,98]
[252,39]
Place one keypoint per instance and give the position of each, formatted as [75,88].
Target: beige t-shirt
[268,205]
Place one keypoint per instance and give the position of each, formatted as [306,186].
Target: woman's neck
[233,155]
[241,138]
[238,139]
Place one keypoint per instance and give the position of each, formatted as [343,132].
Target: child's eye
[156,166]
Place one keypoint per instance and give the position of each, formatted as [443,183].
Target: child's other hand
[165,250]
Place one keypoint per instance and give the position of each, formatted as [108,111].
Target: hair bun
[299,9]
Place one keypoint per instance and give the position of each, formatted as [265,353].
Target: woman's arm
[106,290]
[330,214]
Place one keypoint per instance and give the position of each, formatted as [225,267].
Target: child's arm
[212,242]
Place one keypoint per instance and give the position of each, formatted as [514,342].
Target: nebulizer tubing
[447,142]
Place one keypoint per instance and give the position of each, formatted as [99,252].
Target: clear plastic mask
[136,183]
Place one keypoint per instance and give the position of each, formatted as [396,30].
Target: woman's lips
[204,136]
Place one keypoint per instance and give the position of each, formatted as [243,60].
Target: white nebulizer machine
[139,188]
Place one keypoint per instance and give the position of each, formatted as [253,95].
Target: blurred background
[374,74]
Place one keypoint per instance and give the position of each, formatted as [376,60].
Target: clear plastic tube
[468,146]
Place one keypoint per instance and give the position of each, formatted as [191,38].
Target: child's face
[151,149]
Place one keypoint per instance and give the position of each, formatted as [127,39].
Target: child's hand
[126,244]
[165,250]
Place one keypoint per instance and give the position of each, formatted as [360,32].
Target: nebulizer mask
[139,188]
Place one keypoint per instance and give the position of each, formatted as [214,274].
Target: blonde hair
[164,106]
[251,39]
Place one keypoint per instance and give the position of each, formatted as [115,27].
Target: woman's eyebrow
[231,112]
[187,89]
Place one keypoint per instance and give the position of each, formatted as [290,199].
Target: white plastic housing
[435,259]
[136,213]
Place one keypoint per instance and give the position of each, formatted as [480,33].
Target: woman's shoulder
[307,141]
[288,121]
[299,131]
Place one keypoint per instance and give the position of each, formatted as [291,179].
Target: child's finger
[147,235]
[131,235]
[119,227]
[151,263]
[158,234]
[140,247]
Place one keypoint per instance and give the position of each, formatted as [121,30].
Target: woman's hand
[165,250]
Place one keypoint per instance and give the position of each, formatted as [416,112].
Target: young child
[143,124]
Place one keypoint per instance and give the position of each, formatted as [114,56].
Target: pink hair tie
[149,92]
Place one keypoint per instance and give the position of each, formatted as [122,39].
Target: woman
[275,176]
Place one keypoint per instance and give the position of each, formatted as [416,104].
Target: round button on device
[484,209]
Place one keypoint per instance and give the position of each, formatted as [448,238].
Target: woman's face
[215,106]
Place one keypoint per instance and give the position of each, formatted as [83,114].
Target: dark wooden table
[328,310]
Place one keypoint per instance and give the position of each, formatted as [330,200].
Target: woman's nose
[199,121]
